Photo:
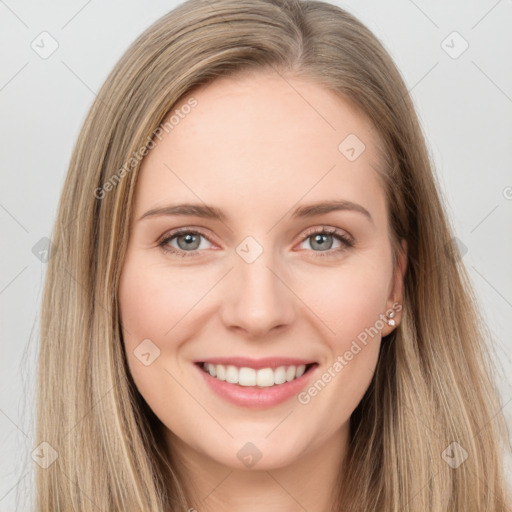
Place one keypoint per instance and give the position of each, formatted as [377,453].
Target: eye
[188,242]
[323,240]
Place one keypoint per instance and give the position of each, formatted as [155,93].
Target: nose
[257,299]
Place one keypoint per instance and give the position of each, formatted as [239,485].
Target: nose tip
[256,300]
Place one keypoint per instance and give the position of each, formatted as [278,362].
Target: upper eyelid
[180,231]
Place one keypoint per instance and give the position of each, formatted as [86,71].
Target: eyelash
[347,242]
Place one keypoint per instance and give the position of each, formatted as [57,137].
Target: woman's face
[255,290]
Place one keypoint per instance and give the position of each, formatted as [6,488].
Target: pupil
[189,240]
[320,239]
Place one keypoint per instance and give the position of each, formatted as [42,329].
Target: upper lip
[266,362]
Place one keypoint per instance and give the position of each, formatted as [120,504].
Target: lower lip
[255,397]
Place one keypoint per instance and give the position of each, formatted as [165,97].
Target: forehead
[273,112]
[262,138]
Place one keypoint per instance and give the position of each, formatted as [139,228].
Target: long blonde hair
[432,386]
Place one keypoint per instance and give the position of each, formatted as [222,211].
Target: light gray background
[465,106]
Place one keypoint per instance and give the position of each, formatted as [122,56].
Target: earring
[389,318]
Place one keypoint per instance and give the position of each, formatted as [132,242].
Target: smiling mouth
[250,377]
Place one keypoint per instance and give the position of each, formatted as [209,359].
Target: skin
[258,146]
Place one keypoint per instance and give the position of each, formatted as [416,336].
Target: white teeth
[220,370]
[232,374]
[247,377]
[264,377]
[280,375]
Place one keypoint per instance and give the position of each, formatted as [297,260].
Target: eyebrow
[210,212]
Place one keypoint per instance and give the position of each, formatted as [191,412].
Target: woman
[259,303]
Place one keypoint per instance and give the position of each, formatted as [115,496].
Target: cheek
[347,300]
[152,305]
[152,300]
[347,304]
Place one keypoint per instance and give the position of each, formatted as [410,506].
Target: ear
[395,299]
